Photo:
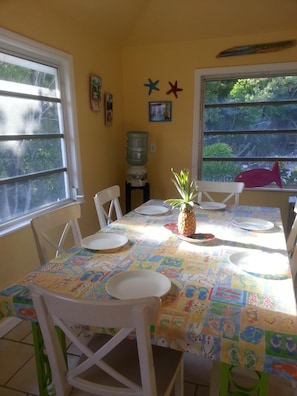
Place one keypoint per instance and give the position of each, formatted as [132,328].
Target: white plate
[138,284]
[252,224]
[261,263]
[198,238]
[152,210]
[212,205]
[104,241]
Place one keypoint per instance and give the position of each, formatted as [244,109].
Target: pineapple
[188,193]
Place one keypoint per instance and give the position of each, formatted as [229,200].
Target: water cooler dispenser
[136,157]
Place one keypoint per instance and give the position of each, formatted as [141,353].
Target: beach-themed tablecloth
[215,308]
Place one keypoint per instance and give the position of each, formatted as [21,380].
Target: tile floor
[18,374]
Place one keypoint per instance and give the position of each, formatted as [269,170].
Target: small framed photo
[96,93]
[108,109]
[160,111]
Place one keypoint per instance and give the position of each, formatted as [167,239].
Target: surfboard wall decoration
[257,48]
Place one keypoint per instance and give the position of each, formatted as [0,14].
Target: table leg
[44,375]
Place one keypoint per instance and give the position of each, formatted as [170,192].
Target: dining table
[227,291]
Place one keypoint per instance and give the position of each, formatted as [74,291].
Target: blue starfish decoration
[152,85]
[173,89]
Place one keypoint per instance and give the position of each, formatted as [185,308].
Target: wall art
[96,93]
[108,109]
[257,48]
[160,111]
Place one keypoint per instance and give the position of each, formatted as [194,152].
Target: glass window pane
[228,170]
[245,90]
[22,198]
[39,156]
[250,145]
[23,76]
[236,113]
[249,118]
[26,116]
[22,157]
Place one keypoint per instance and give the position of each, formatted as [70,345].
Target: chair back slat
[233,189]
[51,230]
[96,372]
[292,245]
[108,205]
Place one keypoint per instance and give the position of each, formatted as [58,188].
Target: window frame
[20,46]
[262,70]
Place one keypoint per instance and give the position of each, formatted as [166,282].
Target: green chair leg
[263,391]
[44,375]
[224,379]
[229,387]
[42,363]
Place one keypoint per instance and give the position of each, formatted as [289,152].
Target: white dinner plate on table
[260,263]
[104,241]
[152,210]
[253,224]
[138,284]
[212,206]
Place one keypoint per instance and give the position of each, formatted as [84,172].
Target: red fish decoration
[290,369]
[260,177]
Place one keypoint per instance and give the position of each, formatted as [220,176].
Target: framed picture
[108,110]
[160,111]
[96,93]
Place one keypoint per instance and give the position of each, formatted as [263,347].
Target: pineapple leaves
[186,189]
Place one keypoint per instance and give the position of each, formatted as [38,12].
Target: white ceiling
[133,22]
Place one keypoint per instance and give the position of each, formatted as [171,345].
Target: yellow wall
[123,74]
[102,148]
[177,62]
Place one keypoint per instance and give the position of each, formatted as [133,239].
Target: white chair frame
[111,365]
[42,225]
[291,245]
[233,189]
[108,197]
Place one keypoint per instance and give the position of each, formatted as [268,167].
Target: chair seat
[124,358]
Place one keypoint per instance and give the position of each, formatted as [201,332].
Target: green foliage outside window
[252,121]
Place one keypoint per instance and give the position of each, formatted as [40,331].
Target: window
[246,118]
[39,150]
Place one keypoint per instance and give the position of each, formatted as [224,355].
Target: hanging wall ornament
[95,92]
[174,89]
[257,48]
[152,85]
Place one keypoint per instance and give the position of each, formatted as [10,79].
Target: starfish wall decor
[174,89]
[152,85]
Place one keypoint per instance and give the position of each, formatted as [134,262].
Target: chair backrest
[52,229]
[124,315]
[292,244]
[233,189]
[108,205]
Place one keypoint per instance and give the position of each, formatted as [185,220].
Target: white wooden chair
[233,189]
[52,229]
[292,245]
[108,205]
[110,365]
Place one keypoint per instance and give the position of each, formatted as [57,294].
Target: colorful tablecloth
[214,308]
